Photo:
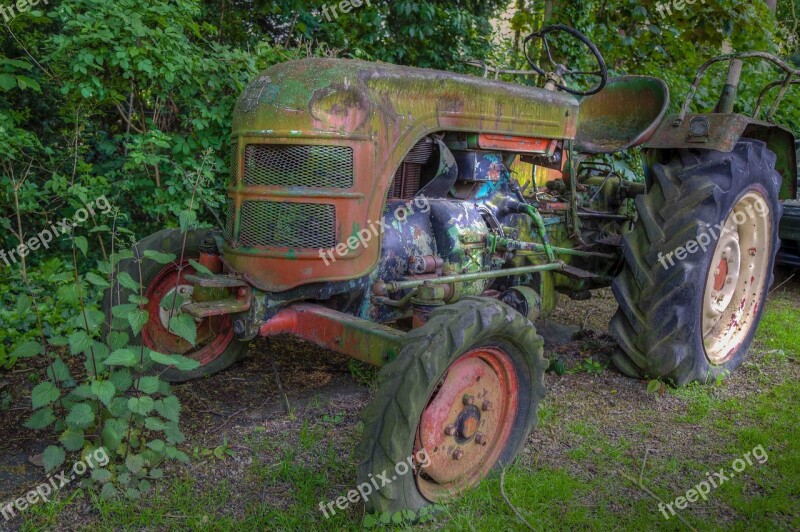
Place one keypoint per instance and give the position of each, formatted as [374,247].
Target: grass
[584,486]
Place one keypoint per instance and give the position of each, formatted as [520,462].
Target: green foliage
[117,403]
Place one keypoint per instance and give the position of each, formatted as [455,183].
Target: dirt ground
[234,404]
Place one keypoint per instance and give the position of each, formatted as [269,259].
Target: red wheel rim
[468,421]
[213,334]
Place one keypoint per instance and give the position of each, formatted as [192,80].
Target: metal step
[215,281]
[216,308]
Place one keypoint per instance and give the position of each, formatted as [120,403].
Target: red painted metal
[360,339]
[468,421]
[213,334]
[488,141]
[721,274]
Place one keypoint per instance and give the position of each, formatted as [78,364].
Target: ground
[606,450]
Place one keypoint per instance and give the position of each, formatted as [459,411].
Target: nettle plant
[119,403]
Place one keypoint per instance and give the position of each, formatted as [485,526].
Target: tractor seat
[623,115]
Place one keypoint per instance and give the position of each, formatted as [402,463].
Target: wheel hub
[736,277]
[214,334]
[184,293]
[468,421]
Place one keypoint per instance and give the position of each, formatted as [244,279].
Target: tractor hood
[317,143]
[387,103]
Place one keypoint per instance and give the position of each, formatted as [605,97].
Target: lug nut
[480,439]
[486,406]
[449,430]
[458,454]
[469,399]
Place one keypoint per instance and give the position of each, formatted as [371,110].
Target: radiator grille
[229,220]
[300,166]
[234,163]
[288,225]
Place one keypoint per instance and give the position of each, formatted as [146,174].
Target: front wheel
[215,347]
[699,265]
[459,400]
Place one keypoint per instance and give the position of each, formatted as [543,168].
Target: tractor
[421,221]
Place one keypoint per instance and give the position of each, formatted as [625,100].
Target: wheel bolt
[449,430]
[469,399]
[480,439]
[486,406]
[458,454]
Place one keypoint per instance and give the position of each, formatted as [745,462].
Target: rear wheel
[460,399]
[215,348]
[698,265]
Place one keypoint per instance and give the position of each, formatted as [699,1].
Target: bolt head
[469,399]
[486,406]
[450,430]
[480,439]
[458,454]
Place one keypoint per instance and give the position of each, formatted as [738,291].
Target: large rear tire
[465,388]
[216,347]
[698,265]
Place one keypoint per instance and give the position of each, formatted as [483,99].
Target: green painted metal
[496,242]
[396,286]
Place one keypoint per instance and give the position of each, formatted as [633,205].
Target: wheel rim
[213,334]
[468,422]
[735,280]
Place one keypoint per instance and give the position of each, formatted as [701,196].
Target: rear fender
[721,132]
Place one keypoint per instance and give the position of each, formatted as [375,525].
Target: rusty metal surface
[363,340]
[724,131]
[380,111]
[623,115]
[468,421]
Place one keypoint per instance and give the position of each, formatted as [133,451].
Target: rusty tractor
[421,221]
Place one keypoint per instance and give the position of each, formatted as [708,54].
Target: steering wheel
[560,71]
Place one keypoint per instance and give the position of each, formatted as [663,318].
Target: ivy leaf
[80,416]
[157,256]
[184,326]
[104,390]
[53,457]
[41,419]
[169,408]
[141,405]
[27,350]
[122,357]
[82,244]
[44,394]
